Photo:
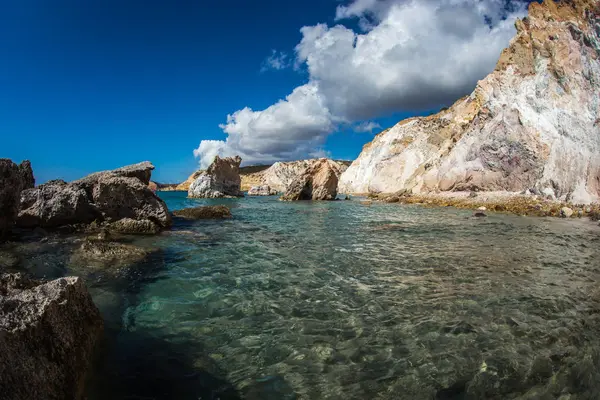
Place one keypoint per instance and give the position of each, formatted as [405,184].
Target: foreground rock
[48,332]
[317,182]
[104,253]
[104,197]
[221,179]
[206,212]
[13,179]
[533,123]
[263,190]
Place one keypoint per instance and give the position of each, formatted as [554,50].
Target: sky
[98,84]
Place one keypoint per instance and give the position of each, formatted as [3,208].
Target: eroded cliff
[533,123]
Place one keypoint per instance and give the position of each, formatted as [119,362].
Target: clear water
[338,300]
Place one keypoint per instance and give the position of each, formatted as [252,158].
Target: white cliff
[533,123]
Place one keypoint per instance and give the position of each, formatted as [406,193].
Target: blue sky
[97,84]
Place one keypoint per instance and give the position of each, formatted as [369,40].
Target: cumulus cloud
[367,126]
[276,60]
[411,55]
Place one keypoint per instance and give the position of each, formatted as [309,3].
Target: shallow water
[338,300]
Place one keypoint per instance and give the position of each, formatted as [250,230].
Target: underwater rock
[13,179]
[48,332]
[317,182]
[205,212]
[135,227]
[106,253]
[105,197]
[221,179]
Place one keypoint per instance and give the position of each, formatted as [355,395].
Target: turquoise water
[338,300]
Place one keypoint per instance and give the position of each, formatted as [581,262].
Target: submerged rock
[263,190]
[205,212]
[534,122]
[135,227]
[221,179]
[48,332]
[13,179]
[317,182]
[103,252]
[105,197]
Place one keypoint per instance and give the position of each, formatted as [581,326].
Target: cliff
[533,123]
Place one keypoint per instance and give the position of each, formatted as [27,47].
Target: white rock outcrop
[533,123]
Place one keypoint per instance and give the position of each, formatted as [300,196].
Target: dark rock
[48,332]
[13,179]
[221,179]
[479,214]
[105,197]
[206,212]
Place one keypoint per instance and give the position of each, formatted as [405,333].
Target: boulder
[566,212]
[105,197]
[221,179]
[262,190]
[13,179]
[134,227]
[206,212]
[317,182]
[103,252]
[48,332]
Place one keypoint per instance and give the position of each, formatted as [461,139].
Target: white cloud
[367,126]
[277,60]
[412,55]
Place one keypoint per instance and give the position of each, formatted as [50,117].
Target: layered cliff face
[533,123]
[281,174]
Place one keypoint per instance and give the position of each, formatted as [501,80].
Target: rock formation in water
[103,197]
[221,179]
[13,179]
[317,182]
[48,332]
[281,174]
[262,190]
[533,123]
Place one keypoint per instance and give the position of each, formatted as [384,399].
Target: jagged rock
[48,332]
[221,179]
[263,190]
[317,182]
[534,122]
[13,179]
[107,196]
[206,212]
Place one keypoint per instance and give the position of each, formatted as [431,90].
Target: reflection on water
[342,301]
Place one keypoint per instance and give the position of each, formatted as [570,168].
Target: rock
[13,179]
[263,190]
[479,214]
[153,186]
[281,174]
[206,212]
[566,212]
[221,179]
[133,226]
[472,195]
[105,197]
[482,209]
[48,332]
[501,137]
[392,199]
[106,253]
[318,182]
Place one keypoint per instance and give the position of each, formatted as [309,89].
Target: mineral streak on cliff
[533,123]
